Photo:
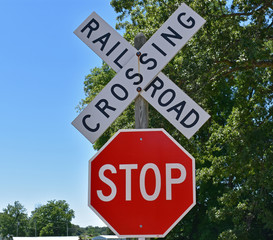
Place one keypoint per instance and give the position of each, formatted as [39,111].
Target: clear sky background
[42,69]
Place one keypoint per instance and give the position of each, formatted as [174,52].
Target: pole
[35,228]
[18,223]
[141,105]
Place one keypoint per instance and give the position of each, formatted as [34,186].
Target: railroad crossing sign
[140,71]
[141,183]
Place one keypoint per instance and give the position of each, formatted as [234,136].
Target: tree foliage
[96,231]
[227,69]
[52,219]
[13,220]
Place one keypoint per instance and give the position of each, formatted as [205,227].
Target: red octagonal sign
[141,183]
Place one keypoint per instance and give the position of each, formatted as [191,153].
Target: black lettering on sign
[189,125]
[116,95]
[93,25]
[172,97]
[134,76]
[119,57]
[189,20]
[87,127]
[168,36]
[157,84]
[103,40]
[102,105]
[159,49]
[153,66]
[178,108]
[166,96]
[112,49]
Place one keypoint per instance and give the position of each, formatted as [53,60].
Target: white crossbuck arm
[140,71]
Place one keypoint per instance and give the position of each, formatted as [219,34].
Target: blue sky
[42,69]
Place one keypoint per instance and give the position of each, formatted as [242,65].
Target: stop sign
[141,183]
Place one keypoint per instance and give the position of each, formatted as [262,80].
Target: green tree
[14,220]
[95,231]
[89,231]
[51,219]
[227,69]
[76,230]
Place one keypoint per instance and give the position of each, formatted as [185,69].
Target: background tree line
[51,219]
[227,69]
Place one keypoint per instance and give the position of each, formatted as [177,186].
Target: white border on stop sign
[178,145]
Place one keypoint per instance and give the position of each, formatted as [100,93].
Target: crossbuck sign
[140,71]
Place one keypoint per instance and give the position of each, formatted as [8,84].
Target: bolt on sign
[141,183]
[140,71]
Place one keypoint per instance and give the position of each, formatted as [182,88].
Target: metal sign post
[141,105]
